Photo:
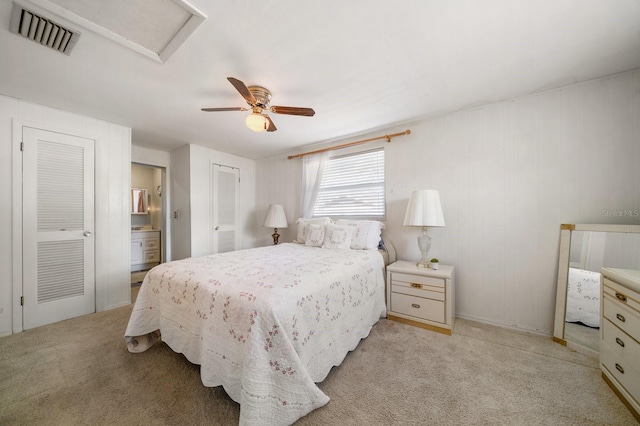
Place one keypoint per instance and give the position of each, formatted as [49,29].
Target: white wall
[112,180]
[150,156]
[156,212]
[277,182]
[192,199]
[509,174]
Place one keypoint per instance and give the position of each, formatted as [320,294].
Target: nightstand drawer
[418,290]
[418,307]
[417,279]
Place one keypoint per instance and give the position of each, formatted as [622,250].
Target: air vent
[42,30]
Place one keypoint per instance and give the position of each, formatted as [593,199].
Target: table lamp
[275,219]
[424,210]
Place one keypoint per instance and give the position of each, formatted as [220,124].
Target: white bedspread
[583,297]
[265,323]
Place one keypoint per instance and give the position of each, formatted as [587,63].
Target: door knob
[216,228]
[87,233]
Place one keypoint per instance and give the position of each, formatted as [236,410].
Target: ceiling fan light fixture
[257,122]
[258,99]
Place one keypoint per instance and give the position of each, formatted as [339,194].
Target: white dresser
[421,297]
[620,334]
[145,249]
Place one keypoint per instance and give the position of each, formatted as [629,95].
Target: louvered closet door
[58,222]
[224,210]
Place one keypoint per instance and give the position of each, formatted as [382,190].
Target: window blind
[353,187]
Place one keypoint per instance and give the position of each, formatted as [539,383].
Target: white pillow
[315,237]
[337,236]
[303,227]
[366,234]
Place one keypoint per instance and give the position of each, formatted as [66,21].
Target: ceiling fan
[258,99]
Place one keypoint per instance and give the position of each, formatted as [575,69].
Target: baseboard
[119,305]
[509,327]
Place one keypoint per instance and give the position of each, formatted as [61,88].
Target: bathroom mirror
[584,250]
[139,201]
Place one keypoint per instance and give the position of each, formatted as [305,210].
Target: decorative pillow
[366,233]
[315,237]
[337,236]
[303,227]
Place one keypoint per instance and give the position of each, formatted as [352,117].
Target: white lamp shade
[275,217]
[424,209]
[257,122]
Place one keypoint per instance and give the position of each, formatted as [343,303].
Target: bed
[266,323]
[583,297]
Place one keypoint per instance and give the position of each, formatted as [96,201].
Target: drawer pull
[414,285]
[415,305]
[621,317]
[619,368]
[621,297]
[619,341]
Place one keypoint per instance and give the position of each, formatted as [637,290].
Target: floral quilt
[265,323]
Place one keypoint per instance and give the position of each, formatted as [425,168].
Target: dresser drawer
[622,370]
[621,343]
[622,316]
[417,279]
[623,294]
[152,244]
[428,309]
[151,256]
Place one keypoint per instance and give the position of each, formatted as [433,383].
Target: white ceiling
[362,65]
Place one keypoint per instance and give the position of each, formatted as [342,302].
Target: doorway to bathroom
[148,217]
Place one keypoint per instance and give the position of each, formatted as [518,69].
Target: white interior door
[225,200]
[58,226]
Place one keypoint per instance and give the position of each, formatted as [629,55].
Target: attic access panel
[154,28]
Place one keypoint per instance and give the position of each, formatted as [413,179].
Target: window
[353,187]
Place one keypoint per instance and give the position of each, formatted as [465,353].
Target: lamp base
[275,236]
[424,243]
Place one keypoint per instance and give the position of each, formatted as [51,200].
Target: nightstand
[421,297]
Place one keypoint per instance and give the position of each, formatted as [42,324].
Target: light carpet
[78,372]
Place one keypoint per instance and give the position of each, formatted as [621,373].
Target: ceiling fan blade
[272,127]
[307,112]
[225,109]
[242,88]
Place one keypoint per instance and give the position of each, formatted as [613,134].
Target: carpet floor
[79,372]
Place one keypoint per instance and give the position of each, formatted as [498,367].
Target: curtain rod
[387,137]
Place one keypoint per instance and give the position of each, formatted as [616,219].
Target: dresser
[620,334]
[145,249]
[420,296]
